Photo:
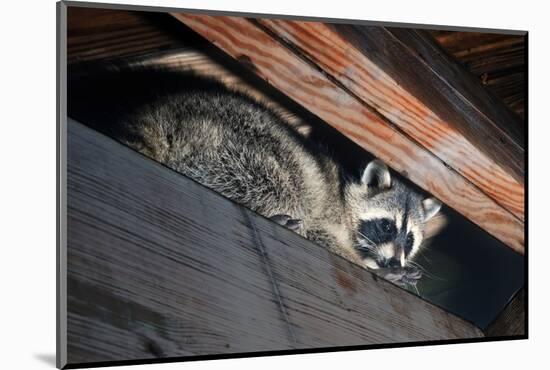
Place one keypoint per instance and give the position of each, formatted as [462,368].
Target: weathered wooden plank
[495,60]
[488,55]
[486,121]
[160,266]
[516,102]
[357,70]
[511,320]
[150,254]
[94,34]
[462,43]
[484,52]
[510,81]
[297,78]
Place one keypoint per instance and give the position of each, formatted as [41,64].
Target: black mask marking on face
[378,231]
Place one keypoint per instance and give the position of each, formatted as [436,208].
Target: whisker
[366,238]
[366,247]
[426,272]
[415,288]
[416,264]
[422,252]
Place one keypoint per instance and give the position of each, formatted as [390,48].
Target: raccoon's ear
[377,175]
[431,207]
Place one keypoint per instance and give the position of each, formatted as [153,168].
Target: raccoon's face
[388,218]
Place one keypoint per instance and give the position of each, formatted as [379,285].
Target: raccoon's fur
[238,147]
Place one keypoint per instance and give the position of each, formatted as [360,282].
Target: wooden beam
[160,266]
[135,37]
[487,121]
[96,34]
[491,56]
[511,321]
[368,60]
[286,66]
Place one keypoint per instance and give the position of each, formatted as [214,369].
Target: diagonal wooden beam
[374,65]
[285,66]
[487,121]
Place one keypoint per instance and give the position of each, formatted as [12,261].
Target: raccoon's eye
[385,225]
[378,230]
[386,229]
[409,243]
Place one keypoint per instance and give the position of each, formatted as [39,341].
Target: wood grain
[488,56]
[359,72]
[159,266]
[284,69]
[95,34]
[487,122]
[511,321]
[103,35]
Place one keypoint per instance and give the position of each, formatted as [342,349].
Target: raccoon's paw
[287,221]
[411,276]
[402,276]
[391,274]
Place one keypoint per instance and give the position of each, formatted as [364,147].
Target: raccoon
[237,146]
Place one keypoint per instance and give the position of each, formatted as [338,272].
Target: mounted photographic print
[239,185]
